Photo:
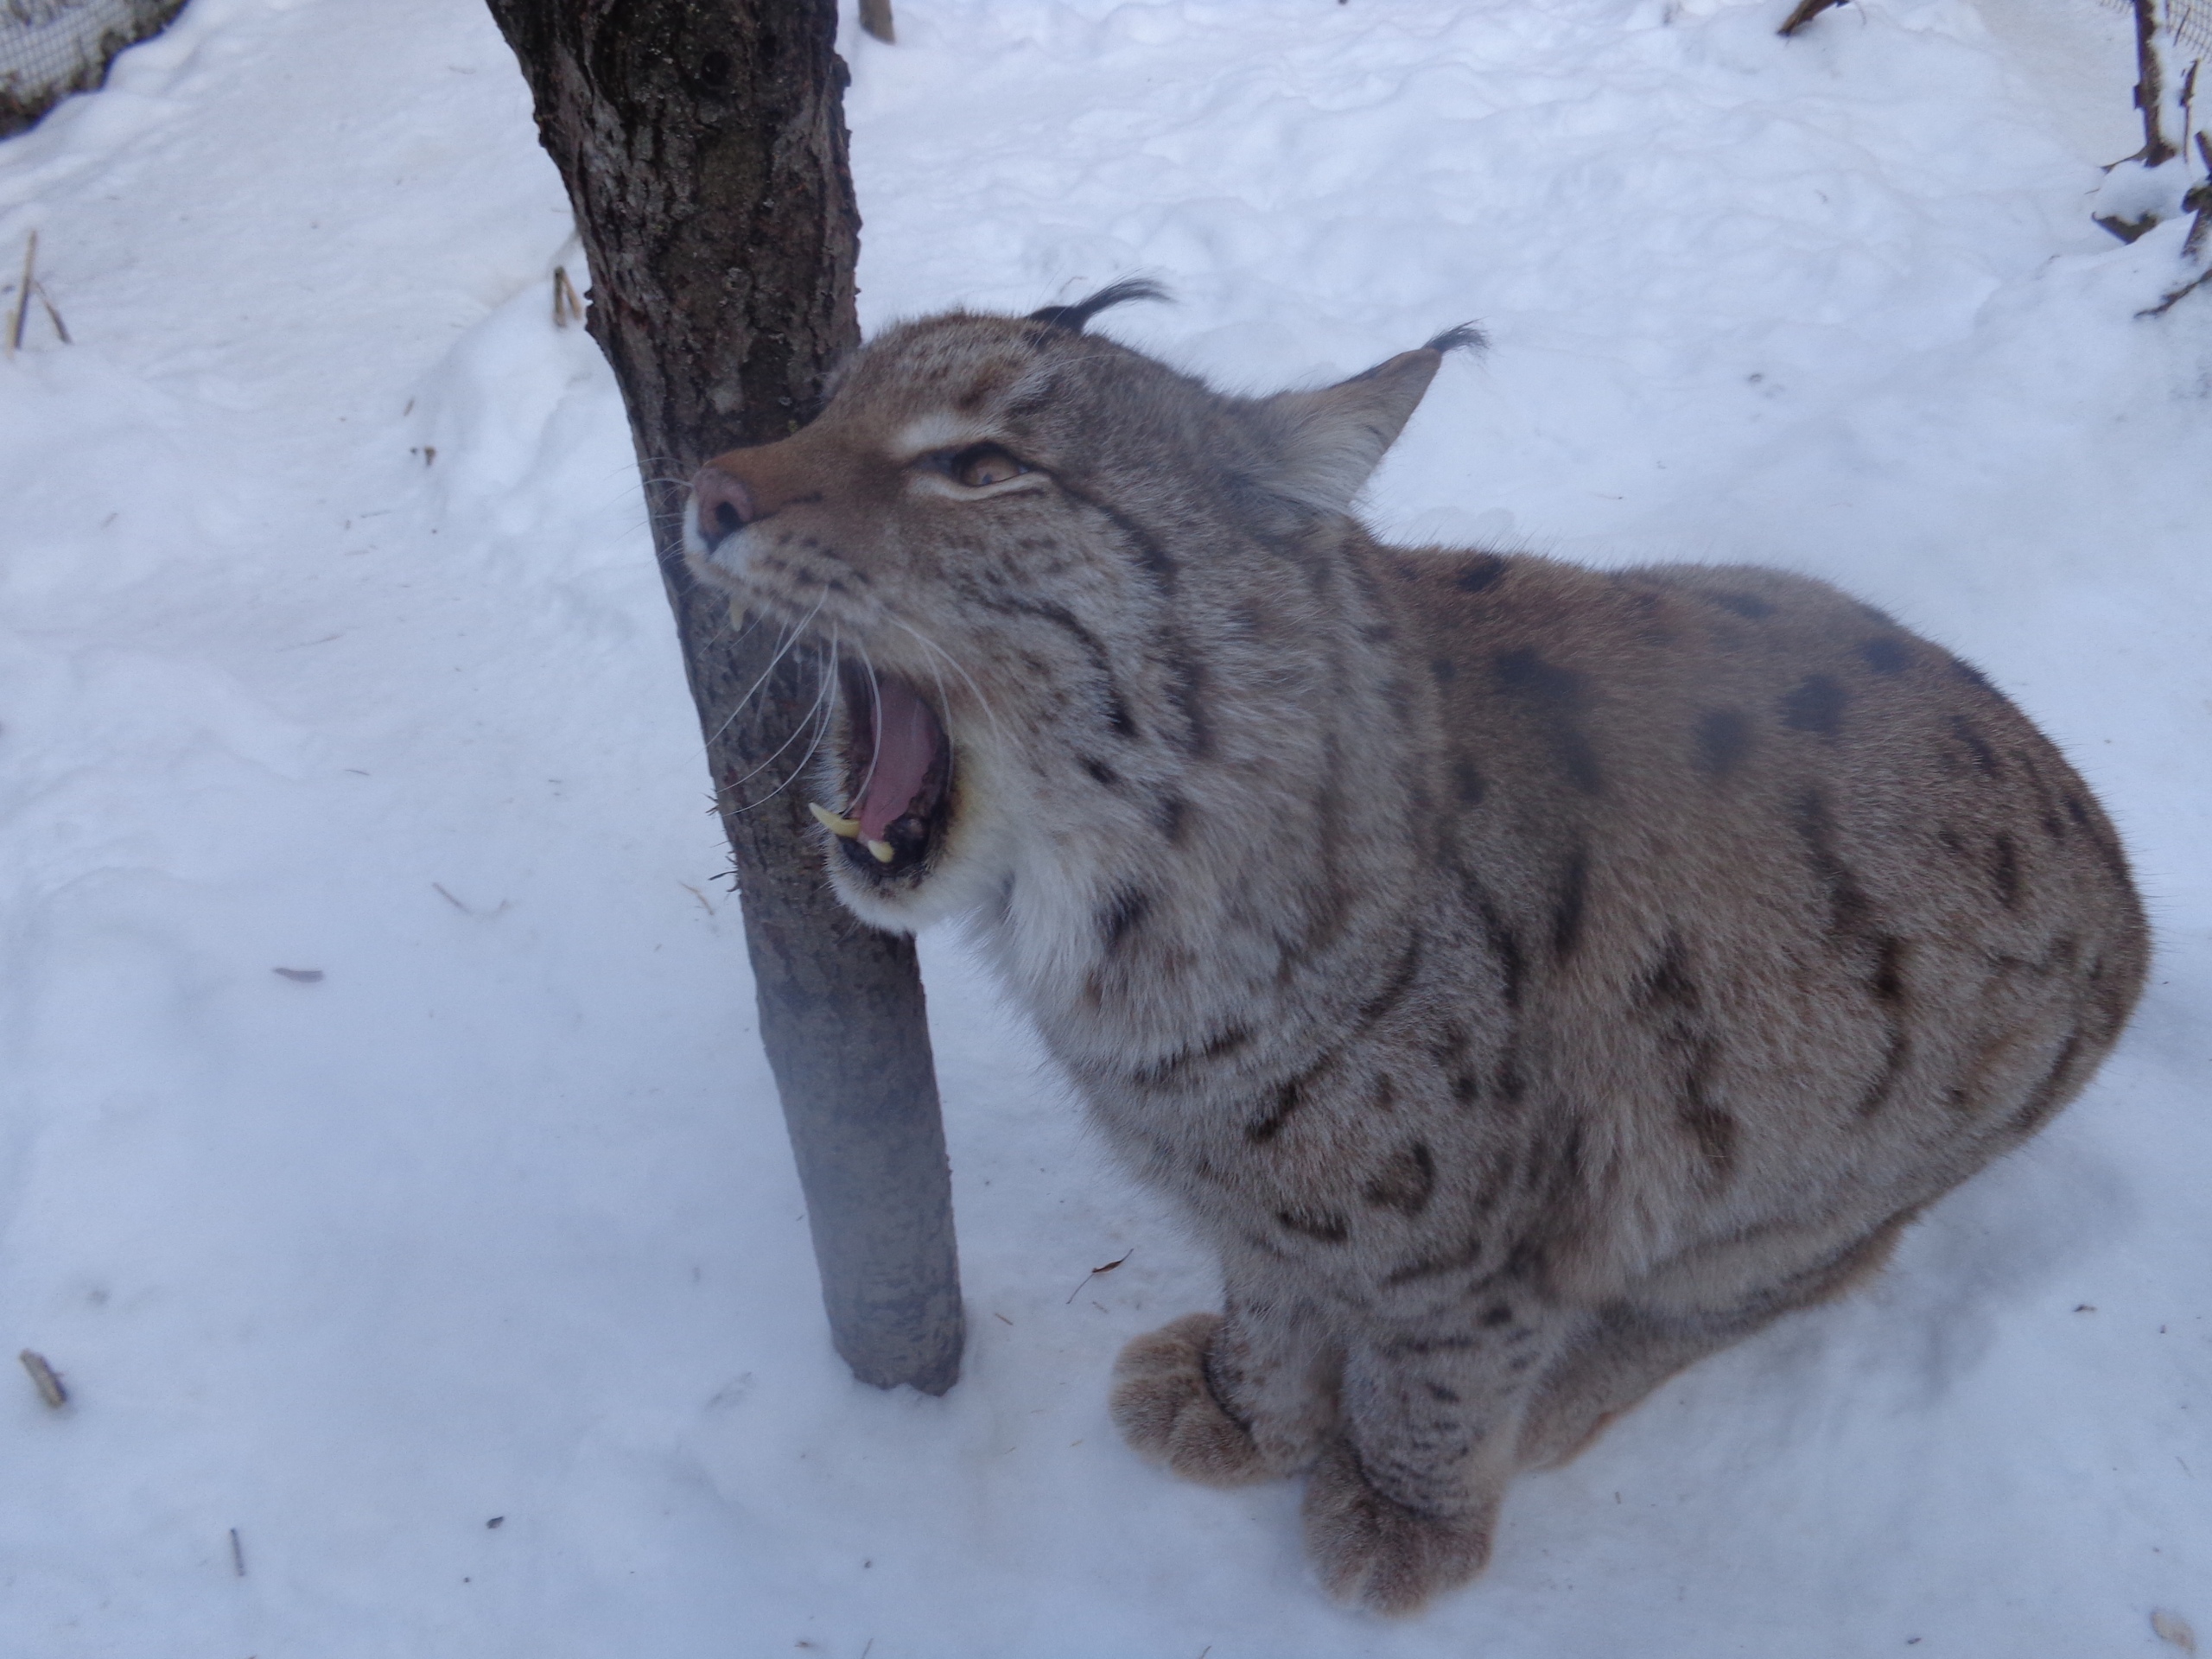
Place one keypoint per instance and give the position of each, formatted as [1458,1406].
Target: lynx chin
[1530,979]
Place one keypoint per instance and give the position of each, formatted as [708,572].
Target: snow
[496,1219]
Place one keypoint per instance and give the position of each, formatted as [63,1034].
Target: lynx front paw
[1165,1408]
[1374,1552]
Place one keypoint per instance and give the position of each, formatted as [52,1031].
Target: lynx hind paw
[1374,1552]
[1162,1405]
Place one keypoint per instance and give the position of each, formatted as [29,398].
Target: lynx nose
[723,506]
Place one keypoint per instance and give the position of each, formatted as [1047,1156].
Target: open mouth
[896,772]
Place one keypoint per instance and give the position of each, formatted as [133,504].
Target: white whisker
[931,646]
[820,731]
[875,731]
[814,710]
[722,631]
[791,639]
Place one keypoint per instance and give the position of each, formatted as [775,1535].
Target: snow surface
[469,1284]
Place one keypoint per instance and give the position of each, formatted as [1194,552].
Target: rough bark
[703,146]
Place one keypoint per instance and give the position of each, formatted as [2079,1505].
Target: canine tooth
[847,828]
[883,851]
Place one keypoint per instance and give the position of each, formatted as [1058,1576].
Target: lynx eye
[982,464]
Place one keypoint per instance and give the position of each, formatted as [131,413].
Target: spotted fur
[1530,978]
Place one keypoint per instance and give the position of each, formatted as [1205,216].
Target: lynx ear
[1330,441]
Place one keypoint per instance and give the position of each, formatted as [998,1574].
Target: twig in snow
[1094,1272]
[2127,230]
[496,911]
[43,1378]
[300,975]
[2179,293]
[238,1554]
[567,306]
[1807,11]
[875,20]
[2199,198]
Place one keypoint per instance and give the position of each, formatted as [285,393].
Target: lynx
[1530,979]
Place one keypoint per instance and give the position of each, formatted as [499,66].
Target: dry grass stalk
[53,316]
[30,285]
[22,297]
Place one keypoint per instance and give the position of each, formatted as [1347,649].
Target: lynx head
[1022,551]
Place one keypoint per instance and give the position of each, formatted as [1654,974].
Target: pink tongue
[906,743]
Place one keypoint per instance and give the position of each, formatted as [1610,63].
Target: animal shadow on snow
[1902,1343]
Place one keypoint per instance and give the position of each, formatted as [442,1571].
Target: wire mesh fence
[2190,21]
[50,48]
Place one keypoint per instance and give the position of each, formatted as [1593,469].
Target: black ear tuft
[1072,317]
[1466,337]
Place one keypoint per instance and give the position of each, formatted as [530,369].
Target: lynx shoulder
[1530,978]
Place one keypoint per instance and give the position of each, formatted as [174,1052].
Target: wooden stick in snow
[1807,11]
[44,1380]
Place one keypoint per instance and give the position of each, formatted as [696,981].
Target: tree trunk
[2158,89]
[703,146]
